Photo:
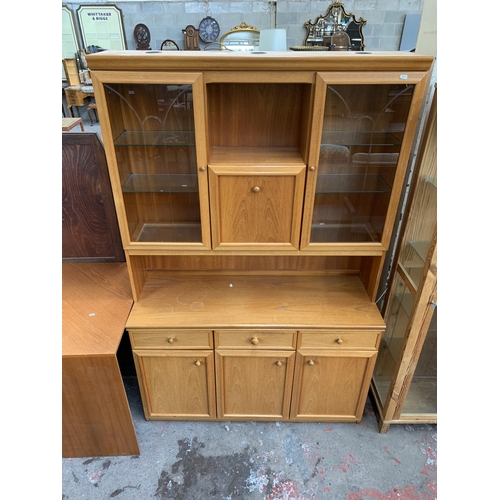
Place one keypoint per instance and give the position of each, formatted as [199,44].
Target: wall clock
[209,29]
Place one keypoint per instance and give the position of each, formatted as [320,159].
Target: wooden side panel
[96,419]
[255,126]
[278,263]
[90,227]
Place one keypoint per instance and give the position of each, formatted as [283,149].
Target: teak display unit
[404,382]
[256,196]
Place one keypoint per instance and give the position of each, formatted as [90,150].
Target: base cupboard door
[176,384]
[254,385]
[331,385]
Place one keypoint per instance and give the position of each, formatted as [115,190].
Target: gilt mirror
[333,26]
[243,37]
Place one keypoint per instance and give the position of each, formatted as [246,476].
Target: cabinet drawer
[171,339]
[256,339]
[339,340]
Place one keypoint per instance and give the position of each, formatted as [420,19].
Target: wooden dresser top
[229,300]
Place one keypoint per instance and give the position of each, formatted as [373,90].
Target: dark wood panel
[89,224]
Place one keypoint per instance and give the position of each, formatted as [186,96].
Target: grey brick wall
[385,18]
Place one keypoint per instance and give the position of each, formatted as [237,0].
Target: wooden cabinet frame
[255,268]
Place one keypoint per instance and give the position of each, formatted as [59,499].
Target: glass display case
[363,154]
[153,127]
[404,382]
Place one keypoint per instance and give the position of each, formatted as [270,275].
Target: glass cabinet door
[420,232]
[362,159]
[422,393]
[397,318]
[153,132]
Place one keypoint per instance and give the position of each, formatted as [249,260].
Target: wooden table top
[69,123]
[96,303]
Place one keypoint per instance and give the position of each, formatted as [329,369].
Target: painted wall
[385,18]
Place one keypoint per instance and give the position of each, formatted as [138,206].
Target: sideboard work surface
[256,196]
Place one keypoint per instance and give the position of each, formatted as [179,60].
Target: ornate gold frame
[242,29]
[353,27]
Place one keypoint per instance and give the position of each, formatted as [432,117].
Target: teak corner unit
[256,195]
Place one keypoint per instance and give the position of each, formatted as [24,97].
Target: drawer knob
[202,169]
[310,362]
[254,341]
[256,189]
[170,340]
[197,363]
[312,169]
[278,363]
[339,341]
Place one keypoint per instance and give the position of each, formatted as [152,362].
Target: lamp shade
[272,39]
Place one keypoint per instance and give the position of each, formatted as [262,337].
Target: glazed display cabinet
[256,195]
[405,377]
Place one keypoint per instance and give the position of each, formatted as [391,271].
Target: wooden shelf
[272,156]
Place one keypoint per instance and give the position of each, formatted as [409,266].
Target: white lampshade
[272,39]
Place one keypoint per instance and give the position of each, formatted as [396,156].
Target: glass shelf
[375,159]
[346,183]
[172,233]
[431,181]
[353,138]
[421,249]
[161,183]
[156,138]
[406,301]
[328,233]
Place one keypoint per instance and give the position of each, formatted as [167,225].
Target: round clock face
[209,29]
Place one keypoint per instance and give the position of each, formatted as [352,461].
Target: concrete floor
[259,460]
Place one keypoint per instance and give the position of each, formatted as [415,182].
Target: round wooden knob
[170,340]
[256,189]
[278,363]
[254,341]
[339,341]
[312,169]
[202,169]
[310,362]
[197,363]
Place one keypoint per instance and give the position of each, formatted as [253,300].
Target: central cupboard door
[256,206]
[253,384]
